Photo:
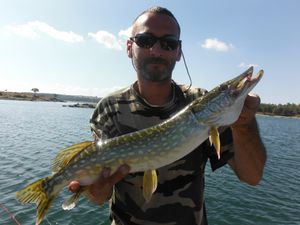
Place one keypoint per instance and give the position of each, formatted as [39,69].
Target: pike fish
[144,150]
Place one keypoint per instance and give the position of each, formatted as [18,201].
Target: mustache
[156,60]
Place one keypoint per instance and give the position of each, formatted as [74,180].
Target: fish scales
[150,143]
[173,139]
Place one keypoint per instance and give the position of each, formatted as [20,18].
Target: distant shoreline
[90,102]
[274,115]
[46,97]
[24,96]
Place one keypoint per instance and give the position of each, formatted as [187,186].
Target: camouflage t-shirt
[178,198]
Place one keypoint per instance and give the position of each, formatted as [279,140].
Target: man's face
[155,63]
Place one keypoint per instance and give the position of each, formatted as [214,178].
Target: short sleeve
[101,121]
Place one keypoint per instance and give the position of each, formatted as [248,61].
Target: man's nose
[156,49]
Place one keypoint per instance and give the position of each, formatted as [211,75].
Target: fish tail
[37,193]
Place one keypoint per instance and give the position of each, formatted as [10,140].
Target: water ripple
[32,133]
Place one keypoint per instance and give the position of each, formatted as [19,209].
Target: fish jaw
[245,85]
[238,94]
[223,105]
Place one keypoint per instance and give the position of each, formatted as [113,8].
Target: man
[154,48]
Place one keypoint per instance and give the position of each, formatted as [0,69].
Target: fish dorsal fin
[65,155]
[149,184]
[214,139]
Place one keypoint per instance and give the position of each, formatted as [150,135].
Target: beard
[154,69]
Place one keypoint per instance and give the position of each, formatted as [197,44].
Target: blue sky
[78,47]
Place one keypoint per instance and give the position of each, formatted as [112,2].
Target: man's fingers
[74,186]
[105,173]
[121,172]
[252,101]
[105,178]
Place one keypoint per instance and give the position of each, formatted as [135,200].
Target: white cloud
[22,30]
[107,39]
[34,28]
[125,33]
[244,65]
[216,45]
[110,40]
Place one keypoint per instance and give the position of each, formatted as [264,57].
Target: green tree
[35,90]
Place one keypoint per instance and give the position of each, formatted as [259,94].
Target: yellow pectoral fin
[149,184]
[214,139]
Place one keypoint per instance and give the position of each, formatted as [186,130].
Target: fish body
[144,150]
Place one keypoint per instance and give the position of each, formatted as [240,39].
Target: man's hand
[247,115]
[101,190]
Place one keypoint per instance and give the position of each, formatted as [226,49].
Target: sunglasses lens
[147,41]
[169,43]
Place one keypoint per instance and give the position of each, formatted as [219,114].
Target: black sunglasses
[168,43]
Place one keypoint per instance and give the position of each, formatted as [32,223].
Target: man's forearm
[250,154]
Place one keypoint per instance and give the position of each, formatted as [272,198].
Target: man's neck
[155,93]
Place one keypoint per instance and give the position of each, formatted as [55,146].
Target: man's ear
[129,48]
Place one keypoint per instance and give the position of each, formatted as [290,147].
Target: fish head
[222,105]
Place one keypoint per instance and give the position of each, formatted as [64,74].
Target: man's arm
[249,152]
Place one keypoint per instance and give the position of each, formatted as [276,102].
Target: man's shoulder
[123,94]
[191,92]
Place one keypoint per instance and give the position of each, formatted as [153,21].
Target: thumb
[252,101]
[74,186]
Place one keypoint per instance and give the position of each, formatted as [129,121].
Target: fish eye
[223,87]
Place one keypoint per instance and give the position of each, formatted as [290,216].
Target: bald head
[154,10]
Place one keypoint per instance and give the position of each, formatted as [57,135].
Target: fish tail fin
[37,193]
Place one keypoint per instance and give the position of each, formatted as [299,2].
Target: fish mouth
[246,82]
